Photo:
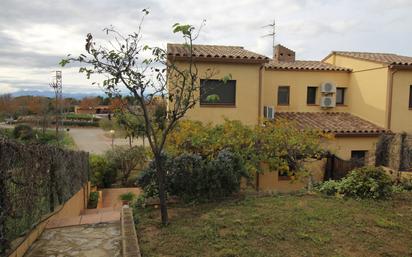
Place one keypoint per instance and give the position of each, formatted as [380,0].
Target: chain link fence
[34,180]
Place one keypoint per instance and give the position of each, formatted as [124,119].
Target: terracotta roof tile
[338,123]
[385,58]
[304,65]
[216,52]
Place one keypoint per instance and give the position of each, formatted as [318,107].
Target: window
[284,175]
[283,95]
[358,157]
[410,97]
[216,92]
[340,95]
[311,95]
[268,112]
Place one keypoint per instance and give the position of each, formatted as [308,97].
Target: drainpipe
[392,72]
[261,68]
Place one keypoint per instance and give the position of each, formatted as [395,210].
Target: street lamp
[112,133]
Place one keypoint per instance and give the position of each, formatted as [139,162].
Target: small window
[283,175]
[283,95]
[358,157]
[268,112]
[216,92]
[311,95]
[340,95]
[410,97]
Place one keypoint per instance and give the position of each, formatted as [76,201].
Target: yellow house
[350,95]
[381,87]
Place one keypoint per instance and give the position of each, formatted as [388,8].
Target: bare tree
[123,63]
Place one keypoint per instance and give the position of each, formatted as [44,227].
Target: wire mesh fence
[34,180]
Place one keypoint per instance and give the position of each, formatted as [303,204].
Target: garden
[198,194]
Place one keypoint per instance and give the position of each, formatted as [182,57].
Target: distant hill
[51,94]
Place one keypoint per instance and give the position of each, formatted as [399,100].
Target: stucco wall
[298,81]
[269,181]
[368,92]
[72,208]
[247,94]
[343,146]
[401,120]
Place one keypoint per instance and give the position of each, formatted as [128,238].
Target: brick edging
[130,244]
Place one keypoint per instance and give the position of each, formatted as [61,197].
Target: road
[92,140]
[95,140]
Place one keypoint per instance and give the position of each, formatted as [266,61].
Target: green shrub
[80,123]
[23,132]
[364,182]
[75,116]
[193,178]
[102,172]
[107,124]
[406,184]
[125,160]
[330,187]
[93,200]
[129,196]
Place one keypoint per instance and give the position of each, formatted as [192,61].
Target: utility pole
[272,33]
[57,88]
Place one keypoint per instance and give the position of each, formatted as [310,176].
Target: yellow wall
[342,146]
[269,181]
[247,88]
[72,208]
[401,120]
[368,92]
[298,81]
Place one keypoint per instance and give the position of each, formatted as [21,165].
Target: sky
[36,34]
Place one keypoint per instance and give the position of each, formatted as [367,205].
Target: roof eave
[220,59]
[308,69]
[362,134]
[400,66]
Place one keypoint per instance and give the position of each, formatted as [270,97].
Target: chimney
[283,54]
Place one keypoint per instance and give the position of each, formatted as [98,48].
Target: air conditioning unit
[268,112]
[327,102]
[328,87]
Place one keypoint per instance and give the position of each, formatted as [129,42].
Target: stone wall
[399,152]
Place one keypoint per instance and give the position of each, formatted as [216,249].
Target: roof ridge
[361,52]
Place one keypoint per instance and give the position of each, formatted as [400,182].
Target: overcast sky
[36,34]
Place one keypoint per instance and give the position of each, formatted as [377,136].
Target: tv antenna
[273,33]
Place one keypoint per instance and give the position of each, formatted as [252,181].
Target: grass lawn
[284,225]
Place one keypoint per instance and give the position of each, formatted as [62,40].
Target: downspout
[392,72]
[261,68]
[260,86]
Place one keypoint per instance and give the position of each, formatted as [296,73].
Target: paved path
[95,233]
[100,240]
[94,140]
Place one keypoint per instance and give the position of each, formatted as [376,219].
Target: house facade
[354,96]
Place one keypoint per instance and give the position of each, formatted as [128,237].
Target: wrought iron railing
[34,180]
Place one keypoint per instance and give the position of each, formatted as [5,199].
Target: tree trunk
[130,141]
[162,190]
